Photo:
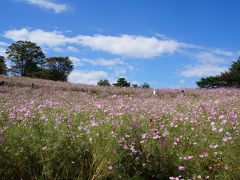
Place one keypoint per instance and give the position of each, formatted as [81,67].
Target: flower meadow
[61,130]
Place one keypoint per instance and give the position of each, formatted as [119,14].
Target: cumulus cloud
[87,77]
[42,38]
[131,45]
[123,45]
[49,5]
[203,70]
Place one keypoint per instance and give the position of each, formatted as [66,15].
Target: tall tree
[59,68]
[3,66]
[230,78]
[235,73]
[122,82]
[27,57]
[208,82]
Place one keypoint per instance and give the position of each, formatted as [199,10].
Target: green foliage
[49,134]
[122,82]
[230,78]
[145,85]
[135,86]
[3,66]
[58,68]
[234,73]
[103,82]
[27,58]
[208,82]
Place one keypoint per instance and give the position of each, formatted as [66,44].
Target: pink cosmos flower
[187,158]
[181,168]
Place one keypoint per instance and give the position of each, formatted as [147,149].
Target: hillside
[62,130]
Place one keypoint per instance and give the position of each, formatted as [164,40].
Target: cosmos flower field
[65,131]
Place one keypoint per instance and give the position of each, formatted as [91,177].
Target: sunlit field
[61,130]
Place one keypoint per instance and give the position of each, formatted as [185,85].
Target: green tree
[103,82]
[27,58]
[58,68]
[225,79]
[234,74]
[122,82]
[3,66]
[134,85]
[145,85]
[209,82]
[230,78]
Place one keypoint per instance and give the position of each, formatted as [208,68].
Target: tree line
[27,59]
[122,82]
[229,78]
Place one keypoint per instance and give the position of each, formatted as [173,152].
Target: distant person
[155,92]
[182,93]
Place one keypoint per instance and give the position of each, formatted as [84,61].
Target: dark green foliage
[103,82]
[235,73]
[122,82]
[27,58]
[135,86]
[47,154]
[58,68]
[208,82]
[3,66]
[145,85]
[230,78]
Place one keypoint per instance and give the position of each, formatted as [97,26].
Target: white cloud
[87,77]
[72,49]
[64,49]
[42,38]
[207,57]
[203,70]
[120,71]
[131,45]
[49,5]
[117,66]
[104,62]
[2,52]
[182,81]
[3,44]
[223,52]
[58,49]
[123,45]
[76,61]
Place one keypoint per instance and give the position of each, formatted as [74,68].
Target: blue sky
[166,43]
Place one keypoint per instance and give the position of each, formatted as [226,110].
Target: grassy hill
[62,130]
